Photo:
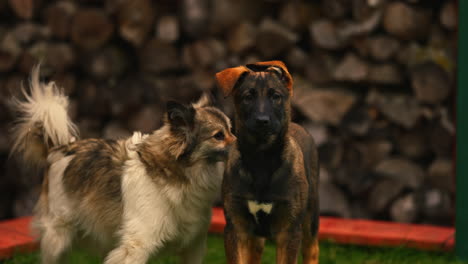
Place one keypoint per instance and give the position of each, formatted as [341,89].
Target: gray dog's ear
[179,115]
[204,101]
[228,78]
[280,68]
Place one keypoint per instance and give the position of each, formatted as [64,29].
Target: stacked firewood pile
[374,84]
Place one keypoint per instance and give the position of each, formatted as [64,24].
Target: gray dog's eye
[219,136]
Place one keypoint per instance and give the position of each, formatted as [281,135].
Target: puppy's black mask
[262,103]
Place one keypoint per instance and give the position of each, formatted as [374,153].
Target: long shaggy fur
[135,198]
[43,121]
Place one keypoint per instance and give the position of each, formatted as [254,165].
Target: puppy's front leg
[287,246]
[242,248]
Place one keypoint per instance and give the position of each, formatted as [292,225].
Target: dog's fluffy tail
[42,122]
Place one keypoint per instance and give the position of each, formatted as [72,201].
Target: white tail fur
[43,120]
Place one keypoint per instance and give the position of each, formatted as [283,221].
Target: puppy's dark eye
[219,136]
[247,98]
[276,97]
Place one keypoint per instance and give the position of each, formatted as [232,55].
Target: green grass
[329,253]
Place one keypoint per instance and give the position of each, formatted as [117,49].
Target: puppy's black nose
[262,120]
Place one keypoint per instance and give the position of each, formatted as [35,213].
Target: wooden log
[115,131]
[408,173]
[203,53]
[4,138]
[361,45]
[58,18]
[195,17]
[54,57]
[24,8]
[66,81]
[168,29]
[336,9]
[4,111]
[12,85]
[3,5]
[158,56]
[441,139]
[373,152]
[383,47]
[274,38]
[320,69]
[357,121]
[387,74]
[318,132]
[241,37]
[10,50]
[441,175]
[351,29]
[135,19]
[402,109]
[91,28]
[359,210]
[413,143]
[405,209]
[146,120]
[324,34]
[333,202]
[32,56]
[94,100]
[297,59]
[60,56]
[438,38]
[106,63]
[437,207]
[331,154]
[406,22]
[89,127]
[225,14]
[326,105]
[124,104]
[383,194]
[26,200]
[430,83]
[449,15]
[182,87]
[28,32]
[297,15]
[204,80]
[363,9]
[352,69]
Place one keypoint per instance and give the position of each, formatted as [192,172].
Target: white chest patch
[255,206]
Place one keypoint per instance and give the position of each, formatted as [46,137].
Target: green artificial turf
[329,253]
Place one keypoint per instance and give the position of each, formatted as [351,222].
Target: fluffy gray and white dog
[136,197]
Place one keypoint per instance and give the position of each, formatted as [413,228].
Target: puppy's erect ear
[179,115]
[280,68]
[228,78]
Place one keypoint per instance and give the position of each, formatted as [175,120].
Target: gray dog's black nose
[263,120]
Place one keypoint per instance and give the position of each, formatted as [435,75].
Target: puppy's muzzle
[262,121]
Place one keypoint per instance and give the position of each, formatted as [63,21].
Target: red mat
[15,236]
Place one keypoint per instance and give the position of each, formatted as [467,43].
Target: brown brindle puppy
[270,182]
